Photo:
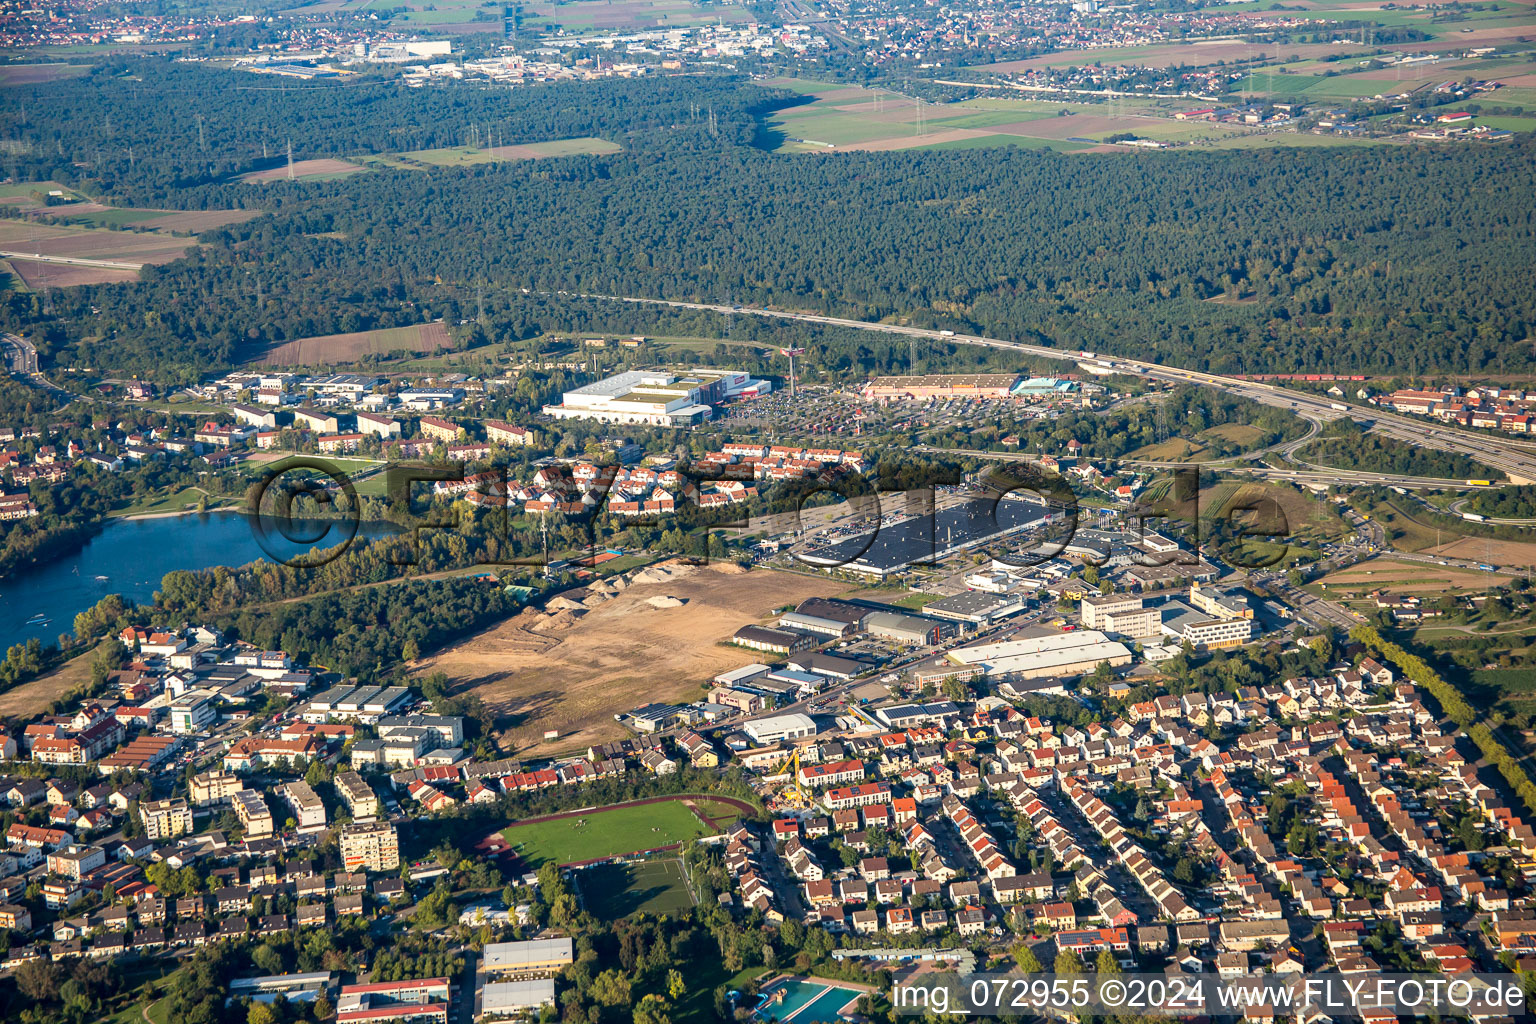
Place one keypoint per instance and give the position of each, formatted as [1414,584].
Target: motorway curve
[1515,461]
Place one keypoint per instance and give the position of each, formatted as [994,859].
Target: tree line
[1387,259]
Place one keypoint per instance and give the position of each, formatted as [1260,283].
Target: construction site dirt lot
[657,637]
[1511,553]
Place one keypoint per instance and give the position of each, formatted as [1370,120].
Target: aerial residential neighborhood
[814,511]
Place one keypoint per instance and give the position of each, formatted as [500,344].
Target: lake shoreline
[135,516]
[133,555]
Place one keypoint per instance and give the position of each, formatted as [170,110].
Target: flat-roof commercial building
[1057,655]
[538,958]
[1198,628]
[746,673]
[777,641]
[976,607]
[807,623]
[370,846]
[295,988]
[908,629]
[347,703]
[654,398]
[934,671]
[512,1000]
[940,385]
[900,716]
[1220,604]
[923,539]
[780,727]
[1138,623]
[832,608]
[189,714]
[1094,609]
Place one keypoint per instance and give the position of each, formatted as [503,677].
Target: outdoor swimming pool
[805,1002]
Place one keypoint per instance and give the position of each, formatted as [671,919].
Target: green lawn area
[1022,141]
[1508,122]
[608,833]
[464,156]
[913,600]
[837,128]
[10,281]
[987,118]
[176,501]
[614,891]
[26,188]
[697,1006]
[112,218]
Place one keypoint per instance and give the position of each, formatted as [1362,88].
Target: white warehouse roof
[1028,645]
[766,730]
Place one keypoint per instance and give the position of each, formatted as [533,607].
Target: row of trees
[1346,445]
[1456,708]
[166,132]
[1368,258]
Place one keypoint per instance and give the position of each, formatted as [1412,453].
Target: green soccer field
[609,833]
[614,891]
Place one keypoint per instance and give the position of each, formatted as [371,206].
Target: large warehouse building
[1040,657]
[976,607]
[780,727]
[924,540]
[941,385]
[653,398]
[908,629]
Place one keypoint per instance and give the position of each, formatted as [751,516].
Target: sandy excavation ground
[1498,552]
[622,643]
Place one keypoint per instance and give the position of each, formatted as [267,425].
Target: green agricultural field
[111,218]
[596,15]
[987,118]
[24,189]
[610,833]
[1021,141]
[614,891]
[1508,122]
[464,156]
[1295,139]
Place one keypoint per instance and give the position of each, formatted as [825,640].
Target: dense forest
[1390,259]
[145,131]
[1344,444]
[1506,502]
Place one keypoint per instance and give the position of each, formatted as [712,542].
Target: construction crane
[794,794]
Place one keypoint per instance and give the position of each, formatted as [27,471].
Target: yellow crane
[794,793]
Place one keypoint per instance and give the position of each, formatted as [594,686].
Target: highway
[1318,478]
[1514,460]
[21,359]
[70,261]
[20,354]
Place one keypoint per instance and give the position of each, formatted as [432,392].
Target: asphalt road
[71,261]
[20,354]
[1511,458]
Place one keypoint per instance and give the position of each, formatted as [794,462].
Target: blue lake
[129,557]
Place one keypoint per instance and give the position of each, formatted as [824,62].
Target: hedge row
[1456,707]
